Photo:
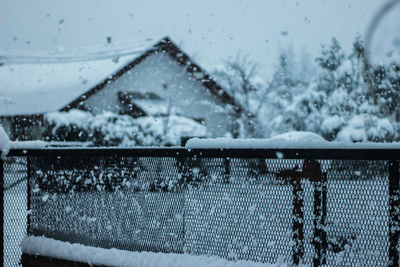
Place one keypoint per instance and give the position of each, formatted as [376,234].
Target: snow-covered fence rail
[312,206]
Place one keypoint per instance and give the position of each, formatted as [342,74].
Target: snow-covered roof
[28,89]
[33,89]
[165,46]
[35,84]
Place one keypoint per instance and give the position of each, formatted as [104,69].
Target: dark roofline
[164,46]
[19,116]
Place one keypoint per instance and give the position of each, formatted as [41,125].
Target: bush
[109,129]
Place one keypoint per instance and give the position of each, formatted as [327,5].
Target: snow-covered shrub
[110,129]
[353,131]
[168,130]
[381,130]
[67,126]
[338,103]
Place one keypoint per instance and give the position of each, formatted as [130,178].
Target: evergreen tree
[330,60]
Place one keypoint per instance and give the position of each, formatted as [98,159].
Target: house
[163,80]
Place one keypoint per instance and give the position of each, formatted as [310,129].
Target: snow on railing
[56,249]
[290,140]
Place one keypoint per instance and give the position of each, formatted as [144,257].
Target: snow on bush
[110,129]
[67,126]
[363,128]
[73,117]
[328,101]
[176,128]
[354,131]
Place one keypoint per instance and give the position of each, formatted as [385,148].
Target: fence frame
[272,153]
[2,208]
[319,241]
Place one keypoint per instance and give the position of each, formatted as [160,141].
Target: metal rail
[178,152]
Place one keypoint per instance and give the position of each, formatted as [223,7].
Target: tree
[331,57]
[281,104]
[236,76]
[330,60]
[386,84]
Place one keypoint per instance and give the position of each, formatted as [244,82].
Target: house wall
[6,123]
[184,92]
[23,128]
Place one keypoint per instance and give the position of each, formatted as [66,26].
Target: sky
[208,30]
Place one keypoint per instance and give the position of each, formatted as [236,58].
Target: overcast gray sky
[208,30]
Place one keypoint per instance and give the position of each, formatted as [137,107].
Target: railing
[311,206]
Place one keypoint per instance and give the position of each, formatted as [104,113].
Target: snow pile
[114,257]
[286,140]
[290,140]
[4,143]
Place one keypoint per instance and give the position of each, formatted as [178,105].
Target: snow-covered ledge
[48,247]
[6,144]
[290,140]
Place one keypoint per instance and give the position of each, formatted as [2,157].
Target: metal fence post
[2,210]
[293,177]
[394,214]
[28,194]
[298,221]
[324,235]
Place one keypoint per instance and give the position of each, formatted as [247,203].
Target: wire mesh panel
[14,208]
[332,211]
[237,217]
[358,213]
[126,203]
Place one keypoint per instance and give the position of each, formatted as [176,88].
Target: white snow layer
[74,116]
[38,88]
[290,140]
[4,143]
[37,144]
[42,246]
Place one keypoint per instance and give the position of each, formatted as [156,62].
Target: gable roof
[168,47]
[29,89]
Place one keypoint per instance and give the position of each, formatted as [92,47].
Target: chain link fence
[296,206]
